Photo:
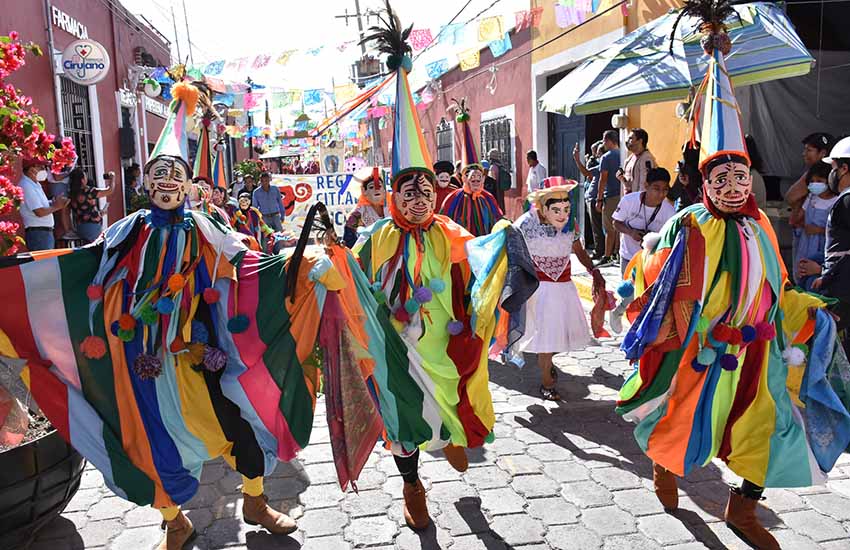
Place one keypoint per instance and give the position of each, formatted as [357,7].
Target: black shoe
[604,261]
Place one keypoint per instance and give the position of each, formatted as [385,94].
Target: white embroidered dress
[555,321]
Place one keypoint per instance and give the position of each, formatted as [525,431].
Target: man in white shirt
[36,210]
[536,172]
[637,214]
[638,163]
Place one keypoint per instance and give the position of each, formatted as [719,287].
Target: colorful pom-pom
[793,356]
[454,327]
[176,283]
[94,292]
[721,332]
[706,356]
[423,295]
[411,305]
[437,285]
[126,322]
[702,324]
[491,437]
[237,324]
[214,359]
[697,366]
[148,315]
[765,331]
[380,297]
[126,335]
[164,306]
[626,289]
[147,367]
[802,347]
[114,328]
[200,333]
[735,337]
[401,315]
[211,295]
[93,347]
[728,361]
[748,333]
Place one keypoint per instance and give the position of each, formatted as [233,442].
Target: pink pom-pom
[93,347]
[765,331]
[94,292]
[211,295]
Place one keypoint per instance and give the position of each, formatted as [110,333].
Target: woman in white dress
[554,317]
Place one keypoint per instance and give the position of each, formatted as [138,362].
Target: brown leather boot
[665,487]
[741,520]
[178,533]
[456,457]
[256,511]
[415,506]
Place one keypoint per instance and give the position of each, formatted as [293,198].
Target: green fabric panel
[660,382]
[96,376]
[280,357]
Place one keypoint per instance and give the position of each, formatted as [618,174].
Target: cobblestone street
[559,476]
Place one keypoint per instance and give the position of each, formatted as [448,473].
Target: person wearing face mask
[446,181]
[730,360]
[472,206]
[36,210]
[555,321]
[833,282]
[85,204]
[810,240]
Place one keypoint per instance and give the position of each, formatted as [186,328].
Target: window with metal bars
[76,118]
[445,141]
[496,134]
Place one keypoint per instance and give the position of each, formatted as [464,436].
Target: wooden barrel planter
[37,481]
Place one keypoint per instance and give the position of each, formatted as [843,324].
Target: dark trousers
[596,228]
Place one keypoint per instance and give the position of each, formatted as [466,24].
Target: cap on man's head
[820,141]
[841,150]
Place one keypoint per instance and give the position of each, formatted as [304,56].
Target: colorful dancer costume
[714,333]
[446,181]
[168,343]
[371,206]
[437,316]
[248,221]
[472,206]
[554,316]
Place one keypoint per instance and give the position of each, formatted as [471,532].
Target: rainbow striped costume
[167,344]
[477,213]
[713,327]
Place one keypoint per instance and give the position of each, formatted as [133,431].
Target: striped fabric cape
[477,215]
[431,333]
[162,346]
[713,324]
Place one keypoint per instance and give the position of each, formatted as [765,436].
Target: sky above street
[228,29]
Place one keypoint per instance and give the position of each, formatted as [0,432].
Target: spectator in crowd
[248,184]
[815,147]
[219,199]
[640,213]
[810,240]
[268,200]
[85,203]
[687,188]
[498,178]
[638,163]
[608,192]
[591,186]
[36,210]
[833,281]
[536,172]
[759,191]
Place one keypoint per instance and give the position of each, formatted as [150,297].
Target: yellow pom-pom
[186,93]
